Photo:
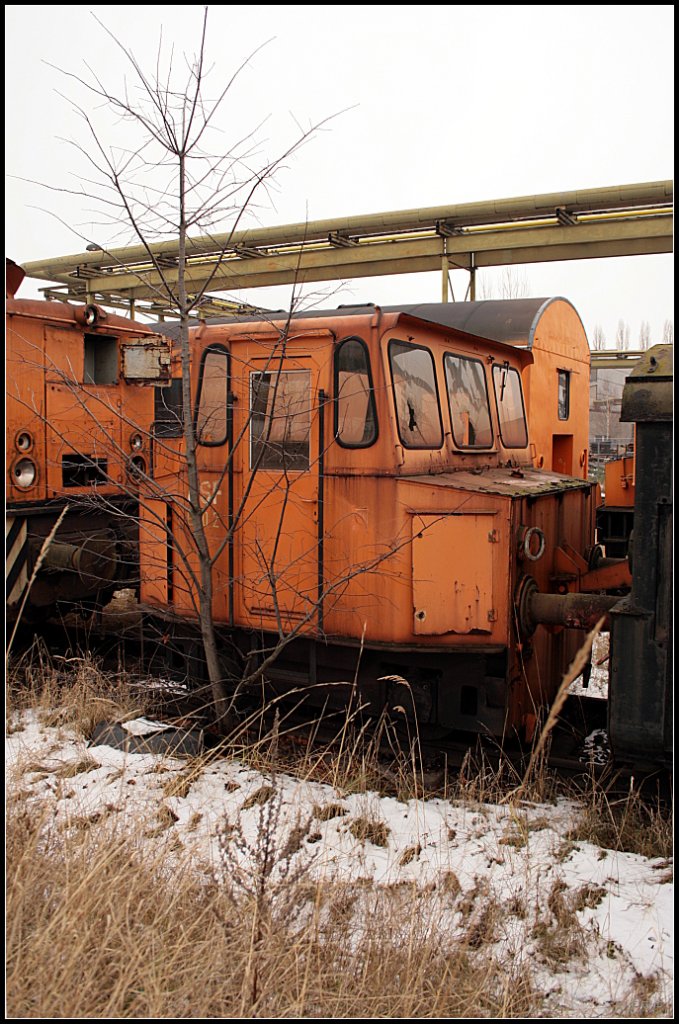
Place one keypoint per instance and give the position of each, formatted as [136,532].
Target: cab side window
[564,394]
[355,413]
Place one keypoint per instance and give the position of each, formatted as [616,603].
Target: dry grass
[71,691]
[369,830]
[99,927]
[97,930]
[626,823]
[351,761]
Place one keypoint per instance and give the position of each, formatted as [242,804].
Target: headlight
[136,465]
[23,441]
[24,473]
[136,442]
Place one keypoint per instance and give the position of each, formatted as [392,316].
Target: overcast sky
[440,104]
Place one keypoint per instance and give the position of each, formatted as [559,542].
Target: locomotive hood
[510,481]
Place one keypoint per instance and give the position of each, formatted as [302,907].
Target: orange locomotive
[79,417]
[615,518]
[375,516]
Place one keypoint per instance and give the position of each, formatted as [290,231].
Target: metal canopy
[626,220]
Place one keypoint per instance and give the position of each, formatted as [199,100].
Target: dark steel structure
[641,690]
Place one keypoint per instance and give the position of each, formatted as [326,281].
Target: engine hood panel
[513,483]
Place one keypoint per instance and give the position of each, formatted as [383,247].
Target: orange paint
[73,424]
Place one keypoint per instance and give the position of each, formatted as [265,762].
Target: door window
[280,423]
[355,416]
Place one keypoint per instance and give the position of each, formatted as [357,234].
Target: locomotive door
[213,422]
[278,529]
[168,548]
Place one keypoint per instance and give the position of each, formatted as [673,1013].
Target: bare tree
[512,285]
[598,339]
[622,336]
[174,178]
[644,335]
[668,332]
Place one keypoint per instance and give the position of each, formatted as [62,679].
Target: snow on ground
[518,856]
[597,685]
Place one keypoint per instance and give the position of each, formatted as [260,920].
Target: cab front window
[510,408]
[468,401]
[415,395]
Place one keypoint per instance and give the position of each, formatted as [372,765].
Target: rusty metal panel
[511,482]
[146,360]
[648,395]
[73,432]
[154,553]
[25,403]
[619,482]
[453,573]
[64,355]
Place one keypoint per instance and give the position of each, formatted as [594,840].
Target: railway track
[576,755]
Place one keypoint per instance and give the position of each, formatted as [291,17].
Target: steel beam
[619,221]
[398,256]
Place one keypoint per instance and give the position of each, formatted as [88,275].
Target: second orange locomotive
[79,413]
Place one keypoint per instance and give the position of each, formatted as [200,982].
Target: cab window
[280,420]
[510,408]
[564,394]
[468,401]
[213,392]
[101,359]
[168,419]
[415,395]
[355,414]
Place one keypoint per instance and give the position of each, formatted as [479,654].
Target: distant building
[608,437]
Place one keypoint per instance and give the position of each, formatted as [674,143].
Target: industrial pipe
[94,558]
[574,611]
